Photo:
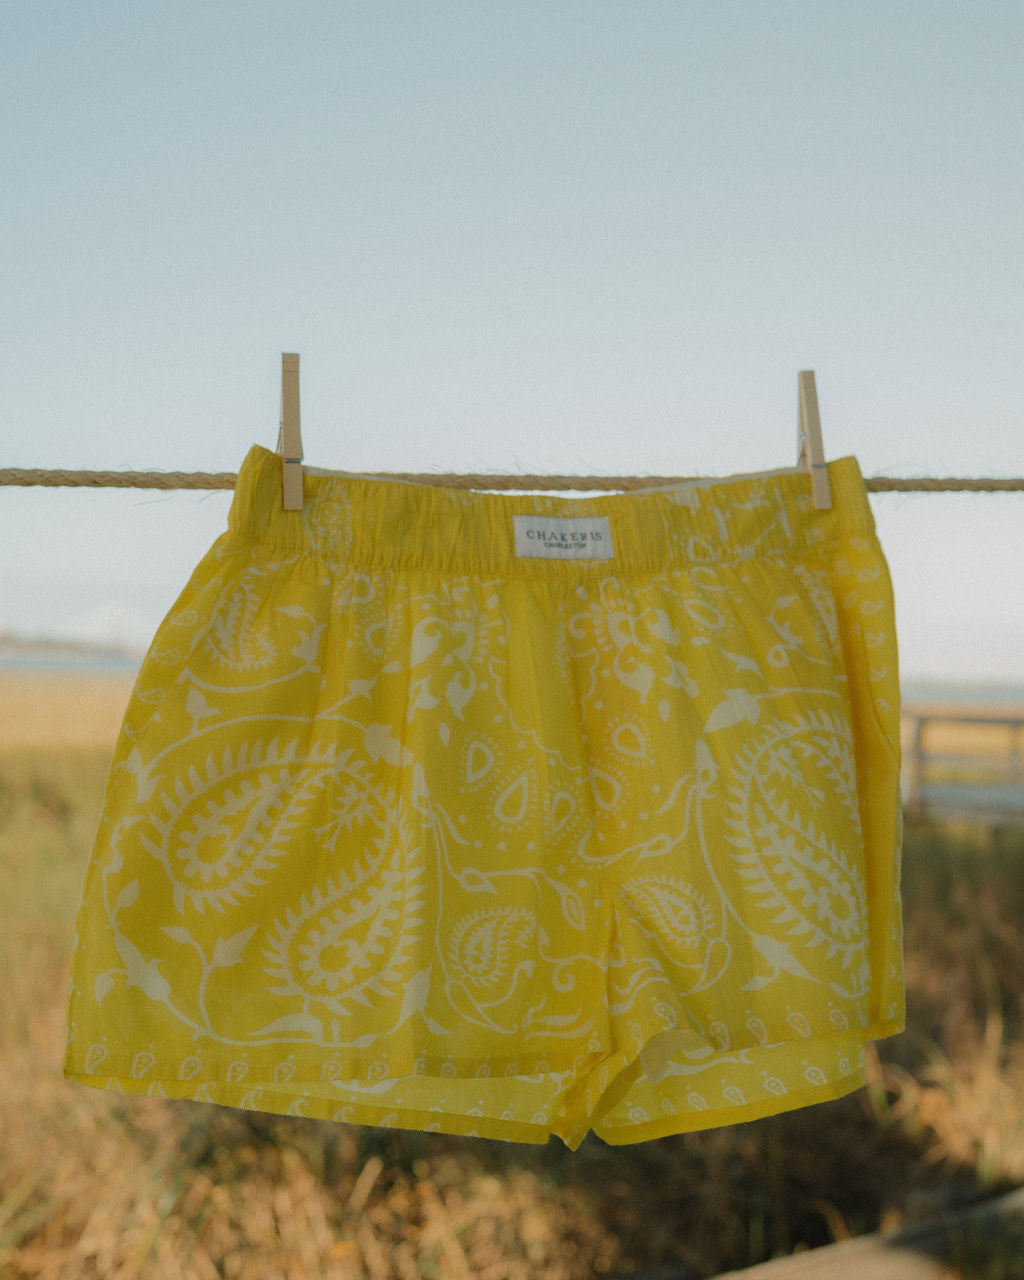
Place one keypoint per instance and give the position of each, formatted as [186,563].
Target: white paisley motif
[791,864]
[219,828]
[481,945]
[349,941]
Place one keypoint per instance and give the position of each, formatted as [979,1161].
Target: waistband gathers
[375,523]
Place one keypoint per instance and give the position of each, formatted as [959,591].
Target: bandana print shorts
[506,815]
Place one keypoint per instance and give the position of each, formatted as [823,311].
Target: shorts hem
[564,1119]
[278,1102]
[349,1066]
[666,1126]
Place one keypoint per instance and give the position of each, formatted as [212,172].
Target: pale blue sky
[583,237]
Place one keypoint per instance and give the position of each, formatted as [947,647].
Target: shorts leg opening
[663,1090]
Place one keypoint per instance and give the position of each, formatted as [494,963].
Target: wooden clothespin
[810,451]
[289,440]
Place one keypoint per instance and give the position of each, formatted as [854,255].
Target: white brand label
[563,537]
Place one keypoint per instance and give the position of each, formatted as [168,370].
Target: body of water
[981,695]
[100,663]
[56,659]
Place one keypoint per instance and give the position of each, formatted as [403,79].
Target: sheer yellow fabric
[506,815]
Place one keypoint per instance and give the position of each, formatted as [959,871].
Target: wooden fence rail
[965,763]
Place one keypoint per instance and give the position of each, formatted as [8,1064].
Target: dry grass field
[110,1187]
[61,709]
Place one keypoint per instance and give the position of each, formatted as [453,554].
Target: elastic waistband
[393,524]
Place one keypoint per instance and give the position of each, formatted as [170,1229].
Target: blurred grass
[102,1185]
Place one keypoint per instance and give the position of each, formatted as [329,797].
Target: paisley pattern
[405,827]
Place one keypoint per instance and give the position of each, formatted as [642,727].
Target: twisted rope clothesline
[226,480]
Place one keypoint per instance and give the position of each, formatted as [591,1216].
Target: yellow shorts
[506,815]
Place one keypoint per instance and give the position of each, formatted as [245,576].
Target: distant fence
[963,763]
